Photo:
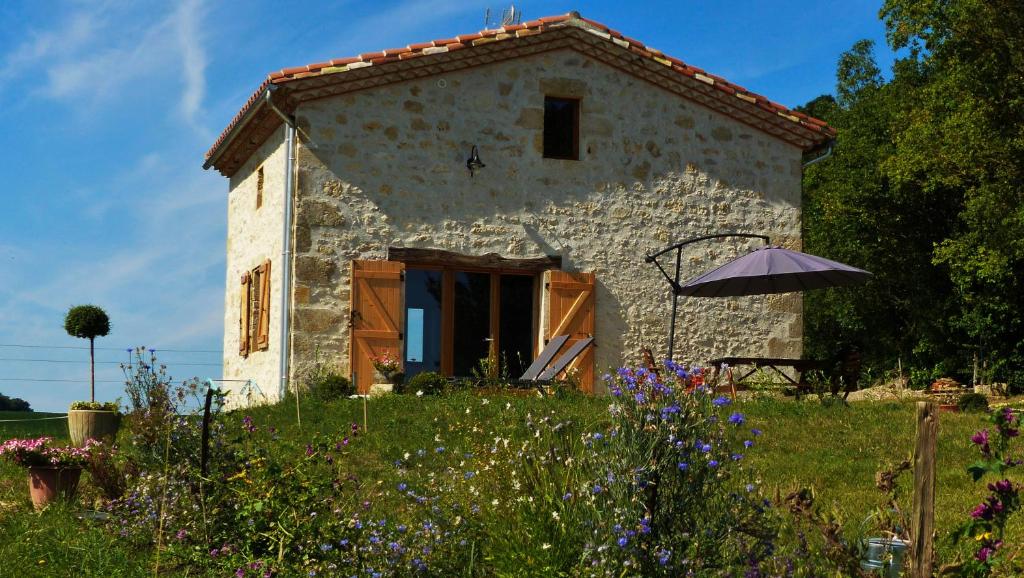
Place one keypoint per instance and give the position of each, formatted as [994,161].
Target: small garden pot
[885,555]
[48,483]
[84,424]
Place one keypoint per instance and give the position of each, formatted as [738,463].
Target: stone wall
[255,235]
[386,167]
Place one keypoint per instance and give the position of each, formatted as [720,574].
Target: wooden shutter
[243,318]
[571,312]
[375,317]
[263,331]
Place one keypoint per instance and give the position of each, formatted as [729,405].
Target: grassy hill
[836,450]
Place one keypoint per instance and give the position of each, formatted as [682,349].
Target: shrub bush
[429,382]
[325,382]
[972,402]
[330,385]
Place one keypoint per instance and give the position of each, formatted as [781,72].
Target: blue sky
[108,108]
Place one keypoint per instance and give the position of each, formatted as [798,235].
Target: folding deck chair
[563,362]
[544,358]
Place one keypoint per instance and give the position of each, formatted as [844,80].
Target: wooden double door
[459,322]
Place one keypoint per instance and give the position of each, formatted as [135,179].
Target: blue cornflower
[705,448]
[737,418]
[640,397]
[663,557]
[617,528]
[326,547]
[439,449]
[468,475]
[596,490]
[713,463]
[756,431]
[402,487]
[721,401]
[598,435]
[683,466]
[737,457]
[567,496]
[750,487]
[623,541]
[747,443]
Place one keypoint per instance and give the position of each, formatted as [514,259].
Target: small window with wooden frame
[254,311]
[561,128]
[259,187]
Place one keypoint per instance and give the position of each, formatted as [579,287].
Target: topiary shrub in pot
[88,419]
[93,420]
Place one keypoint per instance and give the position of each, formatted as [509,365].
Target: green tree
[926,190]
[88,322]
[855,214]
[963,137]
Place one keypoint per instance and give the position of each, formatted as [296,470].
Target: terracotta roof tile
[725,88]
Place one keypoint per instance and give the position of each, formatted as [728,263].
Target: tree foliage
[86,321]
[926,190]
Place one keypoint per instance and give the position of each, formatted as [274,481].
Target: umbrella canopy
[773,270]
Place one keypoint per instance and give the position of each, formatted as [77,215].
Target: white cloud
[193,58]
[70,35]
[105,54]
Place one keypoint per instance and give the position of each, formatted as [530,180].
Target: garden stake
[365,427]
[298,417]
[163,502]
[922,522]
[205,450]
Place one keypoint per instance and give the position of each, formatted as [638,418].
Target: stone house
[357,228]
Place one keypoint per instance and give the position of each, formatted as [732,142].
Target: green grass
[836,450]
[33,427]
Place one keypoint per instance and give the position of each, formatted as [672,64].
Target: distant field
[57,428]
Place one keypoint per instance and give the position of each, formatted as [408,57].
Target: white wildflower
[545,546]
[419,393]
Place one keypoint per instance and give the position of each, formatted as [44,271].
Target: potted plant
[386,372]
[53,471]
[90,420]
[93,420]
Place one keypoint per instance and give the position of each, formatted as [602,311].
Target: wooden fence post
[204,450]
[922,524]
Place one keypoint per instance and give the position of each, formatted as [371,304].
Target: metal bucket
[885,555]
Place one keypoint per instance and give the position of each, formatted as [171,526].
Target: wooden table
[774,363]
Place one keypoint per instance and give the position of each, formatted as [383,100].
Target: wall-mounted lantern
[474,163]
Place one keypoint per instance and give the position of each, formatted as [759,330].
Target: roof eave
[222,146]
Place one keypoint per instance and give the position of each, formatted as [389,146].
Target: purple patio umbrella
[772,270]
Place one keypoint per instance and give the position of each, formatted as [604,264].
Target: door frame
[448,273]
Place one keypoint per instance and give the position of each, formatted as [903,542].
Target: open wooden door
[571,311]
[375,317]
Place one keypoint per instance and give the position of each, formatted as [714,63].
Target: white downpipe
[286,252]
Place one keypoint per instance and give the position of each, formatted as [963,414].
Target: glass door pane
[472,333]
[423,292]
[515,335]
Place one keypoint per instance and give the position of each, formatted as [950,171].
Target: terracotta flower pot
[84,424]
[47,483]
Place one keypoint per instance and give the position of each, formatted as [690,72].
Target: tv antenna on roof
[509,17]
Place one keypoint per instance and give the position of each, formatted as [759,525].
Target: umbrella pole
[675,306]
[676,288]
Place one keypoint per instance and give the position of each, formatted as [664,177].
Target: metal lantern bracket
[677,289]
